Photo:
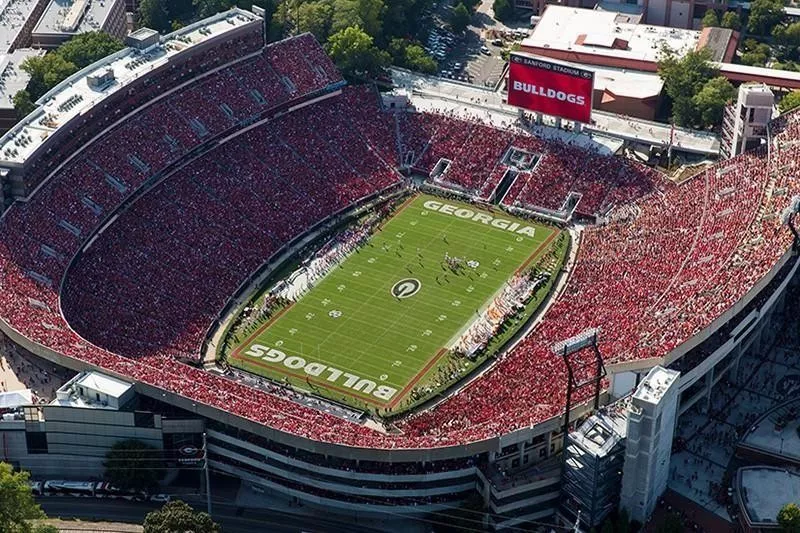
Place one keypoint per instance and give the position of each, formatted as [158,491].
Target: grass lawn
[366,333]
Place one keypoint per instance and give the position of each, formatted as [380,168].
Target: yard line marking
[260,330]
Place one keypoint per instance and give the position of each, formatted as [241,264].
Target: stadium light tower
[576,376]
[788,216]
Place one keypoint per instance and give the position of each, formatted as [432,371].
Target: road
[231,518]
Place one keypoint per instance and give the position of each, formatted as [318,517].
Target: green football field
[369,331]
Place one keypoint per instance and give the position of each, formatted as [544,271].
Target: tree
[86,48]
[315,17]
[206,8]
[460,18]
[756,56]
[787,36]
[366,14]
[17,505]
[417,59]
[710,102]
[789,518]
[46,72]
[22,103]
[471,5]
[44,528]
[132,464]
[710,19]
[789,102]
[153,14]
[503,10]
[790,66]
[683,79]
[411,56]
[764,15]
[355,54]
[178,517]
[731,21]
[405,17]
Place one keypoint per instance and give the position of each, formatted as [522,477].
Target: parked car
[486,51]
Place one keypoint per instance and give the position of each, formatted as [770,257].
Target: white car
[160,498]
[486,51]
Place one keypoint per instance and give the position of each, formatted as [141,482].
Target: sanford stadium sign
[550,88]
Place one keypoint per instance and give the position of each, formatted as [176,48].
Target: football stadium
[372,308]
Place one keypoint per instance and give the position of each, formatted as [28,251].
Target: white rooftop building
[575,32]
[651,424]
[94,390]
[62,19]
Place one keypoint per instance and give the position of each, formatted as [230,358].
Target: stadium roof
[604,33]
[74,96]
[70,17]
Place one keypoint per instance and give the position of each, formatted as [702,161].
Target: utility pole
[205,472]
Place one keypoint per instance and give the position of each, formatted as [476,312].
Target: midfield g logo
[405,288]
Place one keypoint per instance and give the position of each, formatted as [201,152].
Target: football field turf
[368,332]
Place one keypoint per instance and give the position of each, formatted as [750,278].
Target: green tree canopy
[731,21]
[366,14]
[17,505]
[789,518]
[153,14]
[411,56]
[86,48]
[710,102]
[355,53]
[503,10]
[684,77]
[460,18]
[404,17]
[417,59]
[22,103]
[206,8]
[132,464]
[787,37]
[316,17]
[757,55]
[44,528]
[764,15]
[46,72]
[178,517]
[710,19]
[789,102]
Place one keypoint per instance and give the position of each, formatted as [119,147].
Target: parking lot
[473,57]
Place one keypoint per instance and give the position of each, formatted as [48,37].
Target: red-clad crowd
[144,293]
[156,260]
